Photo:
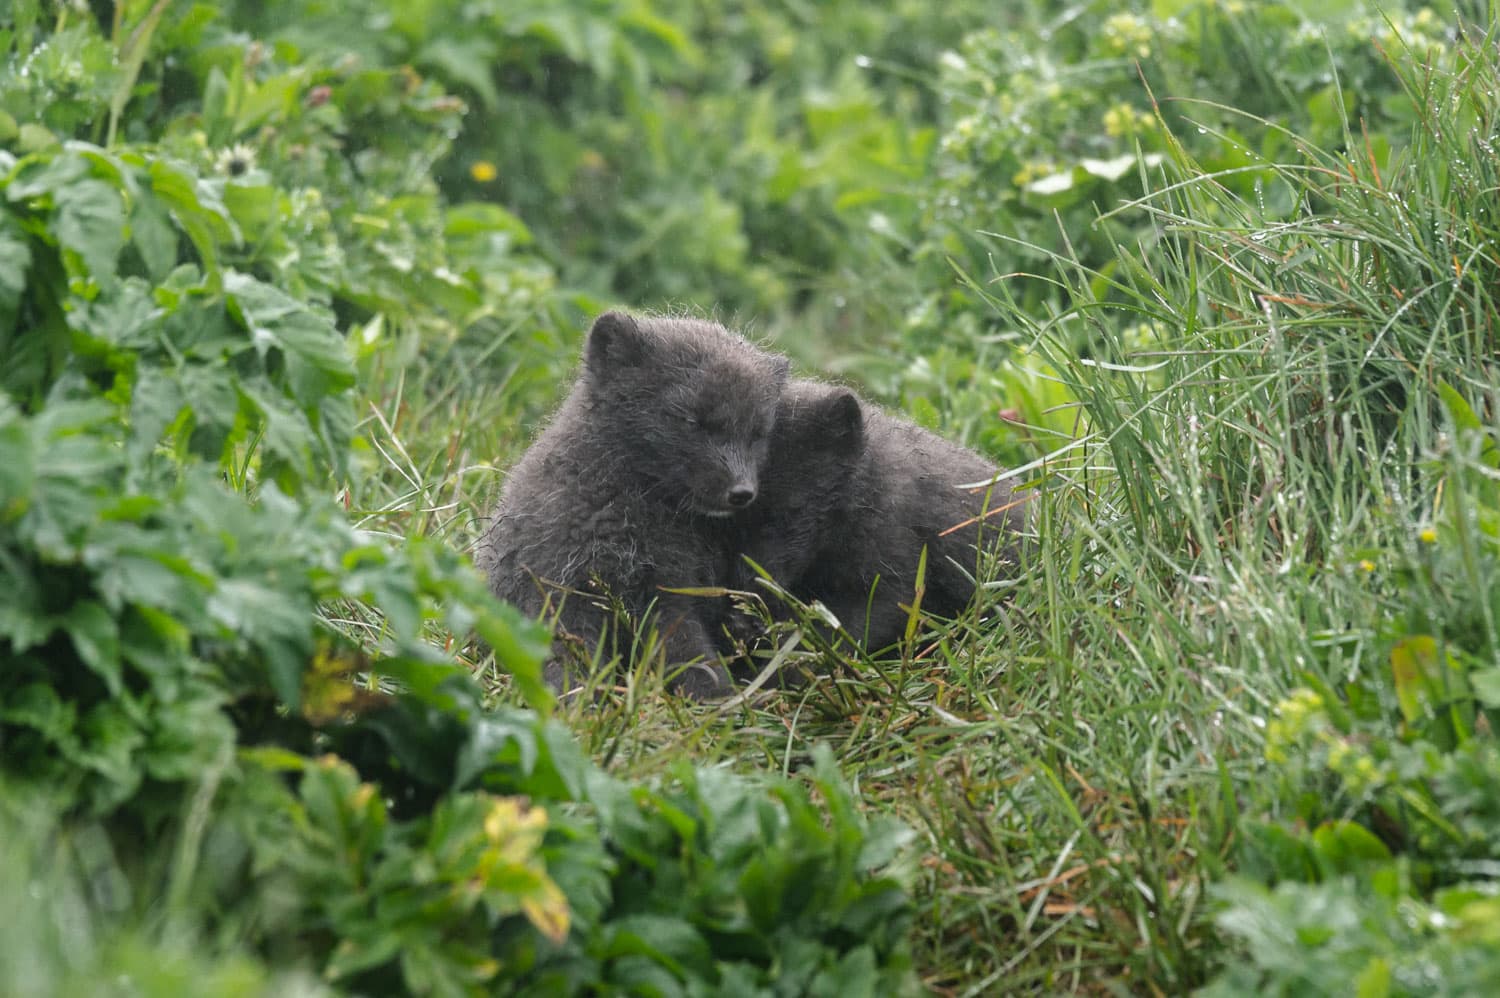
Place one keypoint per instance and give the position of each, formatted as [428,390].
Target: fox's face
[690,405]
[817,442]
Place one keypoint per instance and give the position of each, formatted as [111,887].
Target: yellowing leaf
[1375,980]
[547,910]
[1420,680]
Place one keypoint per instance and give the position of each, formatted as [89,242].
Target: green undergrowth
[280,297]
[241,747]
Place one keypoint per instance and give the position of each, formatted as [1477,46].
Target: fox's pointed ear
[616,340]
[842,417]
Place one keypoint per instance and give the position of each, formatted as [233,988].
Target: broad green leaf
[17,468]
[199,210]
[1375,980]
[153,640]
[1486,684]
[1476,910]
[1423,678]
[254,207]
[155,402]
[38,706]
[15,262]
[672,942]
[335,421]
[1347,847]
[267,101]
[108,741]
[35,138]
[286,434]
[473,221]
[317,358]
[468,60]
[639,21]
[883,840]
[274,758]
[187,737]
[216,123]
[278,623]
[1272,853]
[77,438]
[641,975]
[338,801]
[41,175]
[154,236]
[90,221]
[520,644]
[855,973]
[508,751]
[1465,420]
[505,739]
[125,316]
[356,953]
[96,637]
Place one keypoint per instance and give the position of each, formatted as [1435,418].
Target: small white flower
[236,161]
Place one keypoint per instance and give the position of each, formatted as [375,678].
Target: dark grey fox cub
[853,495]
[817,445]
[633,486]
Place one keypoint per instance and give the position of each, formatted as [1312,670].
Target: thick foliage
[239,712]
[1287,496]
[1044,146]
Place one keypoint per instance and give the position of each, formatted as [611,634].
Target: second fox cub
[851,497]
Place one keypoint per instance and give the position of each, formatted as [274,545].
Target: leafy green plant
[250,711]
[1043,144]
[75,938]
[1409,766]
[1366,933]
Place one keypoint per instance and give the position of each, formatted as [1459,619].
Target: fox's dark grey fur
[853,495]
[816,447]
[633,487]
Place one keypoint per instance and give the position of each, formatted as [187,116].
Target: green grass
[1081,753]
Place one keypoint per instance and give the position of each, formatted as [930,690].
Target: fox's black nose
[741,496]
